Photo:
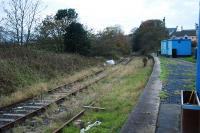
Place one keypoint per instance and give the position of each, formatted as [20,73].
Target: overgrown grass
[25,72]
[118,95]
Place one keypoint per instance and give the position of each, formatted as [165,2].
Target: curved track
[59,130]
[17,113]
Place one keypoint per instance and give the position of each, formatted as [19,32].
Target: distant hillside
[21,67]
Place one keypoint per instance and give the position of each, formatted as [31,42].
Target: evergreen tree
[76,39]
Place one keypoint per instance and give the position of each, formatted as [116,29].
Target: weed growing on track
[118,94]
[119,91]
[56,115]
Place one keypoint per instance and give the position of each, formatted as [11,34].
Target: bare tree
[21,16]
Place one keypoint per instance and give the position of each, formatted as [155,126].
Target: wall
[183,47]
[169,48]
[164,47]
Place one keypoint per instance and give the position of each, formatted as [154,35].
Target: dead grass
[21,67]
[55,117]
[42,87]
[118,93]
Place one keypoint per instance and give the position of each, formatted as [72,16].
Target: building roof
[176,40]
[185,32]
[171,30]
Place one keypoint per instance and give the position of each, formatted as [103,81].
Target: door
[174,53]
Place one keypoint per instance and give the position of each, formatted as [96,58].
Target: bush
[111,43]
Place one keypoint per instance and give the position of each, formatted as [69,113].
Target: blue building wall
[182,46]
[164,47]
[169,47]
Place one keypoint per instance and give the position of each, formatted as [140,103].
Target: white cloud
[98,14]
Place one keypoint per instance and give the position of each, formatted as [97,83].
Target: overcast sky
[98,14]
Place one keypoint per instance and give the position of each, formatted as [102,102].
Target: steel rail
[40,109]
[15,119]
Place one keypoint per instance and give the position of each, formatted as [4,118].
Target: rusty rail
[39,109]
[11,124]
[58,130]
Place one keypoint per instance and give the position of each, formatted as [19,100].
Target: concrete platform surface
[169,118]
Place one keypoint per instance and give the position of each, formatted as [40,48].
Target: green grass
[191,85]
[120,95]
[163,94]
[177,92]
[164,70]
[189,59]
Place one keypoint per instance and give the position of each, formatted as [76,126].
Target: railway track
[79,114]
[59,130]
[17,113]
[57,88]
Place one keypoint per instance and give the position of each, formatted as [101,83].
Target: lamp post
[198,60]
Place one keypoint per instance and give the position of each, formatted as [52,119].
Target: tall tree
[111,42]
[76,39]
[67,15]
[50,34]
[148,36]
[21,15]
[52,29]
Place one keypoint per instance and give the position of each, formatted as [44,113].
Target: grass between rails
[55,117]
[118,94]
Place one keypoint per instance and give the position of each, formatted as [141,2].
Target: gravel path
[181,77]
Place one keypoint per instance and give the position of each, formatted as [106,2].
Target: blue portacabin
[176,47]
